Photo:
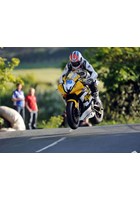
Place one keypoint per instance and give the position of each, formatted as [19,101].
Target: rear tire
[98,117]
[72,115]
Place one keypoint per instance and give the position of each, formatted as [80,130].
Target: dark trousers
[93,87]
[21,111]
[32,120]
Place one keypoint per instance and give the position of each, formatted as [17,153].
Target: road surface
[96,139]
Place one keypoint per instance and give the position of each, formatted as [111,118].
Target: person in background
[19,100]
[85,123]
[31,105]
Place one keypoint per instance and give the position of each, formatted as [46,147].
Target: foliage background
[119,70]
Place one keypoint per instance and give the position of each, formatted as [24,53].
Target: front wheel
[72,115]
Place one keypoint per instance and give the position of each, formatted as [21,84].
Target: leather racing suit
[85,71]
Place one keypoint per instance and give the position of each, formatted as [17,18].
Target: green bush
[54,122]
[1,122]
[50,104]
[119,70]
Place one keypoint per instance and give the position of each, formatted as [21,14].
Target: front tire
[72,115]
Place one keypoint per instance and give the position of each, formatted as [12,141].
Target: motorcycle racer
[78,64]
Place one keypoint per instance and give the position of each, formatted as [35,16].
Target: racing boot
[94,92]
[96,96]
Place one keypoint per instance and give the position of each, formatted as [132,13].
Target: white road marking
[51,145]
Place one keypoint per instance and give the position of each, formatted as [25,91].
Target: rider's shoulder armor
[84,64]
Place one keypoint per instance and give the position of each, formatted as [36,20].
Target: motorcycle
[80,104]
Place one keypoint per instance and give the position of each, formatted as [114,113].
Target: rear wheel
[72,115]
[99,113]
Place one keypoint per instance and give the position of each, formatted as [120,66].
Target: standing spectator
[31,105]
[19,100]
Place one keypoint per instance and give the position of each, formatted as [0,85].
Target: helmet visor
[76,64]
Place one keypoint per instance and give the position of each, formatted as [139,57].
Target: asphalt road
[96,139]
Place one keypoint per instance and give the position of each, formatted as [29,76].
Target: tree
[6,76]
[6,68]
[119,69]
